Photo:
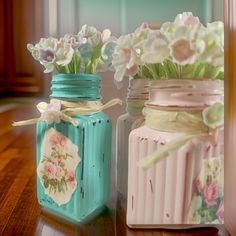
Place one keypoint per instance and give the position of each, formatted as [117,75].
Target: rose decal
[56,170]
[207,205]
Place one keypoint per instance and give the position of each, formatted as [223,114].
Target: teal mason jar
[73,162]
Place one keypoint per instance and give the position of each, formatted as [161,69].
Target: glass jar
[175,173]
[137,95]
[73,162]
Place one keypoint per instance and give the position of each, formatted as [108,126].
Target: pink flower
[181,52]
[70,178]
[59,173]
[211,193]
[49,169]
[187,19]
[220,213]
[58,140]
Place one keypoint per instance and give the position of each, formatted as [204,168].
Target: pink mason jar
[137,95]
[175,171]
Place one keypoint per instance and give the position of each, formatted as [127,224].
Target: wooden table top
[20,213]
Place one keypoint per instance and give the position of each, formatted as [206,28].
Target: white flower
[90,35]
[209,48]
[124,58]
[51,112]
[85,51]
[106,35]
[72,40]
[182,52]
[187,19]
[155,48]
[64,55]
[44,52]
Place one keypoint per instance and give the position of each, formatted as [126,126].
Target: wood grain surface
[20,213]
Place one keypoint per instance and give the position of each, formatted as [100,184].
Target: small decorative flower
[58,140]
[155,49]
[59,173]
[70,179]
[49,169]
[182,52]
[213,116]
[89,34]
[51,112]
[187,19]
[64,55]
[81,53]
[183,48]
[211,193]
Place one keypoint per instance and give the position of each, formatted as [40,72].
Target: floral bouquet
[89,51]
[183,49]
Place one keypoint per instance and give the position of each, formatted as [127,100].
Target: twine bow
[58,110]
[191,124]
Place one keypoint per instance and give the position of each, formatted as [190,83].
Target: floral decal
[56,170]
[207,206]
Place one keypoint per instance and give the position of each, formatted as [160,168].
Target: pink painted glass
[185,189]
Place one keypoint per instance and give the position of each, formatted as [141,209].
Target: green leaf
[187,71]
[220,75]
[170,69]
[199,70]
[59,186]
[46,183]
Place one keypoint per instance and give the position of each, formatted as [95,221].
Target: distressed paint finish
[162,194]
[93,137]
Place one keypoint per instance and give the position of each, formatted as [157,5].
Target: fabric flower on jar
[213,116]
[51,112]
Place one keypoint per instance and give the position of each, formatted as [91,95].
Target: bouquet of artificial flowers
[89,51]
[183,49]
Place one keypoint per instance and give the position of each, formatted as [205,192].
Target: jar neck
[137,95]
[185,94]
[135,107]
[138,89]
[75,87]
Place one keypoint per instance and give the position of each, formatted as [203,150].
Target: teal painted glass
[92,136]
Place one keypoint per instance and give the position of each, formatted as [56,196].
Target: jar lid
[185,93]
[73,87]
[138,89]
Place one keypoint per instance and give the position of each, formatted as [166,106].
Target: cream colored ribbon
[63,110]
[191,124]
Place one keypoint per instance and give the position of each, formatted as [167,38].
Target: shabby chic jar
[175,171]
